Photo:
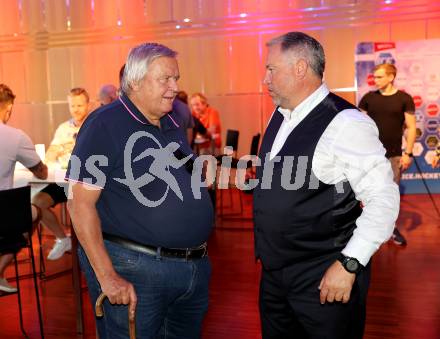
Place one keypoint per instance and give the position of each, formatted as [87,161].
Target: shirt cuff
[360,249]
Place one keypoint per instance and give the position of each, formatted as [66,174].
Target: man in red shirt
[210,119]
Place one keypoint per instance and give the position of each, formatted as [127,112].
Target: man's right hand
[119,291]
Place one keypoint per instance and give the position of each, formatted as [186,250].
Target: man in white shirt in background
[15,146]
[320,157]
[58,154]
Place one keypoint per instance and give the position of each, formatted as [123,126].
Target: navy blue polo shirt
[146,191]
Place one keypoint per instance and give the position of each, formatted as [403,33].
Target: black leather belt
[183,253]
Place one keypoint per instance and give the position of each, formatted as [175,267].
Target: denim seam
[190,288]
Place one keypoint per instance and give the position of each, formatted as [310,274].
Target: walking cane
[100,313]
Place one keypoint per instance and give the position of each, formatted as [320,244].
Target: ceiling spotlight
[186,20]
[177,26]
[243,15]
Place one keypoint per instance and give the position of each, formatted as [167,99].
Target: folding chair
[16,234]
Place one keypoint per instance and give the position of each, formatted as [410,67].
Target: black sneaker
[398,238]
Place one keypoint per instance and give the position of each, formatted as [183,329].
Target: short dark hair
[79,91]
[182,96]
[305,46]
[6,95]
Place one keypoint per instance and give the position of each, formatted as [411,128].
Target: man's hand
[336,284]
[405,161]
[119,291]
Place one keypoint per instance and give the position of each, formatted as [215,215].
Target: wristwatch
[351,265]
[408,154]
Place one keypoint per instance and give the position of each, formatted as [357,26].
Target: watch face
[352,265]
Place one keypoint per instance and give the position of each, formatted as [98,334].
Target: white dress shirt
[349,149]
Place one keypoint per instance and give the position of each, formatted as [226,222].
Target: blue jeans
[172,294]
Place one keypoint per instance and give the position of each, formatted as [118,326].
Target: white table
[24,177]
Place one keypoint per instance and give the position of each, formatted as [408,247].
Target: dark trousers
[290,306]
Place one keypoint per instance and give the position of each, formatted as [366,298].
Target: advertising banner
[418,74]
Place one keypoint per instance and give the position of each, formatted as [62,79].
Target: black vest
[311,220]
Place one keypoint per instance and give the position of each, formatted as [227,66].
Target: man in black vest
[321,158]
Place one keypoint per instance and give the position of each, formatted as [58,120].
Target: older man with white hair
[142,244]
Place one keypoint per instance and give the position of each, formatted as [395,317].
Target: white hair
[138,60]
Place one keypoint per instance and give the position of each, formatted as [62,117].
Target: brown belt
[182,253]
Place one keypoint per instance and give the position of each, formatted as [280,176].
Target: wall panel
[60,73]
[55,15]
[215,64]
[433,29]
[14,74]
[339,56]
[35,68]
[220,53]
[9,18]
[410,30]
[374,32]
[31,17]
[246,70]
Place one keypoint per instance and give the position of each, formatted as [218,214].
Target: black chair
[255,143]
[234,164]
[16,234]
[231,142]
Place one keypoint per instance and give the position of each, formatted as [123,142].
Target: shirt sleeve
[410,107]
[26,153]
[360,158]
[363,104]
[58,136]
[94,155]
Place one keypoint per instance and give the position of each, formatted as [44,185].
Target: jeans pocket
[122,258]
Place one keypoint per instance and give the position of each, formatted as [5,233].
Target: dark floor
[403,300]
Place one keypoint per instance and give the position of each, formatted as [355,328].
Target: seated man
[59,152]
[15,146]
[107,94]
[210,119]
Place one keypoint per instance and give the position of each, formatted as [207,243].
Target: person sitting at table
[15,145]
[107,94]
[210,119]
[58,153]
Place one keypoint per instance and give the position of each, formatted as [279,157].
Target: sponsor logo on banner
[370,80]
[401,80]
[417,149]
[429,156]
[433,78]
[432,110]
[416,86]
[432,125]
[416,68]
[417,100]
[431,141]
[380,46]
[432,93]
